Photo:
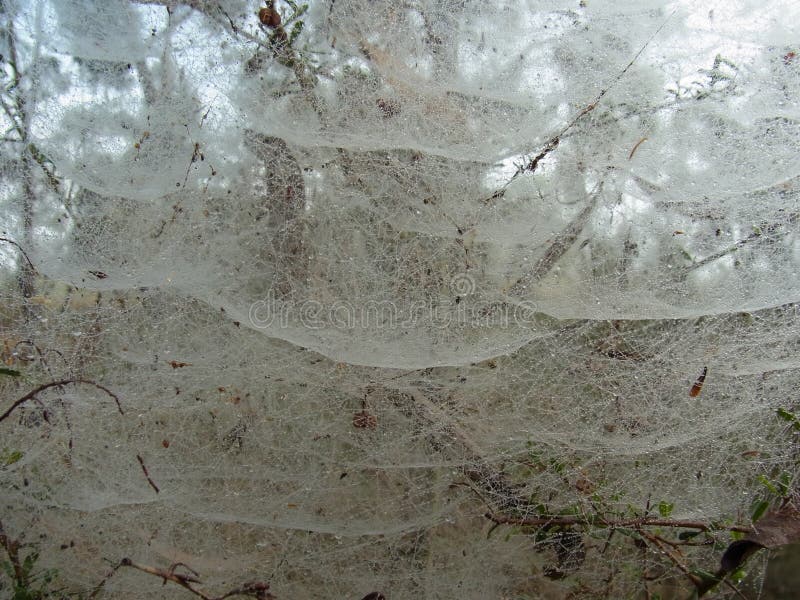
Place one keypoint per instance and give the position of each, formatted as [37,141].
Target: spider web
[360,281]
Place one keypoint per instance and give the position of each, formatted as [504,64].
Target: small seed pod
[269,17]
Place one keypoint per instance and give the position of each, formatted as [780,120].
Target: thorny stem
[285,54]
[253,589]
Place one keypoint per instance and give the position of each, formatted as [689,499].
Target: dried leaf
[777,529]
[698,385]
[179,365]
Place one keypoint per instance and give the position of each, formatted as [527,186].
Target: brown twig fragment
[195,155]
[636,147]
[146,474]
[534,162]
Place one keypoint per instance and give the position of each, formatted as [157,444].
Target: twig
[146,474]
[195,155]
[278,45]
[553,142]
[46,365]
[41,159]
[13,118]
[102,583]
[675,560]
[636,147]
[253,589]
[2,239]
[601,522]
[722,253]
[33,393]
[558,248]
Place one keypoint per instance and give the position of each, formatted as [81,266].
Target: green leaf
[759,510]
[9,372]
[9,458]
[297,29]
[789,418]
[29,562]
[785,484]
[665,508]
[768,484]
[687,535]
[704,574]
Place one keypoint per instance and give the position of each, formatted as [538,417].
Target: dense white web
[358,279]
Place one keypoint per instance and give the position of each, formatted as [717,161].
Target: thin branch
[696,581]
[33,393]
[722,253]
[553,142]
[278,44]
[14,119]
[146,474]
[549,521]
[2,239]
[41,160]
[253,589]
[636,147]
[12,48]
[562,243]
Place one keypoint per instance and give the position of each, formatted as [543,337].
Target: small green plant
[789,417]
[9,457]
[27,583]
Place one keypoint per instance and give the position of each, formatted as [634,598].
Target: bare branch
[146,474]
[252,589]
[562,243]
[2,239]
[33,393]
[549,521]
[553,142]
